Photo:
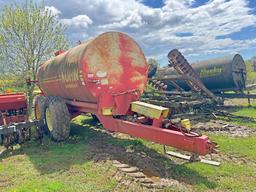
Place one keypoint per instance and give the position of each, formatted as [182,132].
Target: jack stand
[190,158]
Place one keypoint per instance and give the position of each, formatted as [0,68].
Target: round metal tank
[110,63]
[221,74]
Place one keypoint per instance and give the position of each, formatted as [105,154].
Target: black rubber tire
[60,118]
[39,108]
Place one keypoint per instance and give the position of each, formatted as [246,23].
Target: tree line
[29,35]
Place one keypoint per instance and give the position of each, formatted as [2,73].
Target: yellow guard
[149,110]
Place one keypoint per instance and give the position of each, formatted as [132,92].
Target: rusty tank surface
[110,64]
[220,74]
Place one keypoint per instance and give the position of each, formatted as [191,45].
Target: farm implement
[15,128]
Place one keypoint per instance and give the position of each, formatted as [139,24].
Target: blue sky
[245,33]
[200,29]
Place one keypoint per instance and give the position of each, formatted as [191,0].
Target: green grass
[246,112]
[54,167]
[251,76]
[74,165]
[205,177]
[237,146]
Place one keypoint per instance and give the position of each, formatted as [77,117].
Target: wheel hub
[48,117]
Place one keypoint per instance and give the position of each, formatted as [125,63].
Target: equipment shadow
[90,142]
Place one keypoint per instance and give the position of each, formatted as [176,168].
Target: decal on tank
[90,75]
[71,86]
[101,74]
[81,77]
[104,81]
[211,72]
[69,75]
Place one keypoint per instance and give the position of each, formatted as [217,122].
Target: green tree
[152,61]
[153,65]
[29,35]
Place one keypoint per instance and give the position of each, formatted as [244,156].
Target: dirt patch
[238,102]
[146,178]
[221,127]
[5,182]
[239,160]
[147,168]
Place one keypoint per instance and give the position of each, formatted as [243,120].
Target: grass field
[84,163]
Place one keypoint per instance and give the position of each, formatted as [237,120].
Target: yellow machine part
[186,123]
[107,111]
[9,91]
[37,91]
[149,110]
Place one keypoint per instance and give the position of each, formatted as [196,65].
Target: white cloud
[156,29]
[82,21]
[53,10]
[176,5]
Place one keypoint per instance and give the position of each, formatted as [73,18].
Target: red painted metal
[82,106]
[5,120]
[200,145]
[59,52]
[150,129]
[13,108]
[12,101]
[109,70]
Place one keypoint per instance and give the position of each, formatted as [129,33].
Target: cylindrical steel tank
[111,63]
[219,74]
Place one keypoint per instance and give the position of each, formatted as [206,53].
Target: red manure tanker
[106,76]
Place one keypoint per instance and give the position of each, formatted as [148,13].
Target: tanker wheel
[57,118]
[39,111]
[39,107]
